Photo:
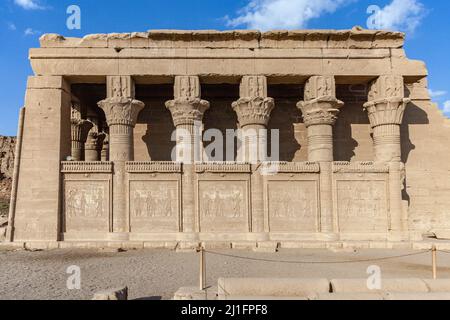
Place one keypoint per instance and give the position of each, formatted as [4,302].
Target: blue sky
[23,21]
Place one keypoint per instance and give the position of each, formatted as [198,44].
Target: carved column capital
[320,105]
[80,129]
[187,107]
[121,111]
[253,107]
[256,110]
[323,110]
[385,109]
[386,102]
[187,112]
[95,140]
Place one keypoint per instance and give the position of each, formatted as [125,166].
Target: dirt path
[157,274]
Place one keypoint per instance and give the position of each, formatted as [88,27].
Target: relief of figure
[71,203]
[291,205]
[155,203]
[85,202]
[220,202]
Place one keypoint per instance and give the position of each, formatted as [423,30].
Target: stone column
[385,108]
[80,129]
[94,145]
[187,111]
[320,109]
[121,111]
[104,153]
[94,142]
[253,111]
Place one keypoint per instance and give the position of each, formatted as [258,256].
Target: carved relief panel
[86,205]
[293,206]
[223,206]
[362,206]
[154,206]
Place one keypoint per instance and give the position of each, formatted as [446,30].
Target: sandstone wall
[426,152]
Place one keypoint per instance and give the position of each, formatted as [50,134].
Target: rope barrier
[318,262]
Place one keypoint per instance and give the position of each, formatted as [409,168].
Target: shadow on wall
[414,115]
[158,136]
[345,144]
[220,115]
[284,118]
[157,120]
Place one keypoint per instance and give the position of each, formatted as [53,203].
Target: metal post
[434,261]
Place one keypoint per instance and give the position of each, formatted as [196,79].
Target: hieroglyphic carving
[388,86]
[253,86]
[292,206]
[154,206]
[120,86]
[362,206]
[187,88]
[223,206]
[86,205]
[320,86]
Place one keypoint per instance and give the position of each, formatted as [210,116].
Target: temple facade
[114,134]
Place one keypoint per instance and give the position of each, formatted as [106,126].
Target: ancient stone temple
[360,153]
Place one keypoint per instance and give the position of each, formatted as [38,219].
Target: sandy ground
[157,274]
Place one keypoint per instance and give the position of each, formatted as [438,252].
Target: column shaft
[121,112]
[253,110]
[187,111]
[385,107]
[320,110]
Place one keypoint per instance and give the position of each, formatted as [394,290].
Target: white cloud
[29,4]
[437,93]
[31,32]
[12,26]
[282,14]
[446,107]
[399,15]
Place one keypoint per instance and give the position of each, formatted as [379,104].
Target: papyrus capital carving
[121,111]
[187,107]
[320,105]
[253,107]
